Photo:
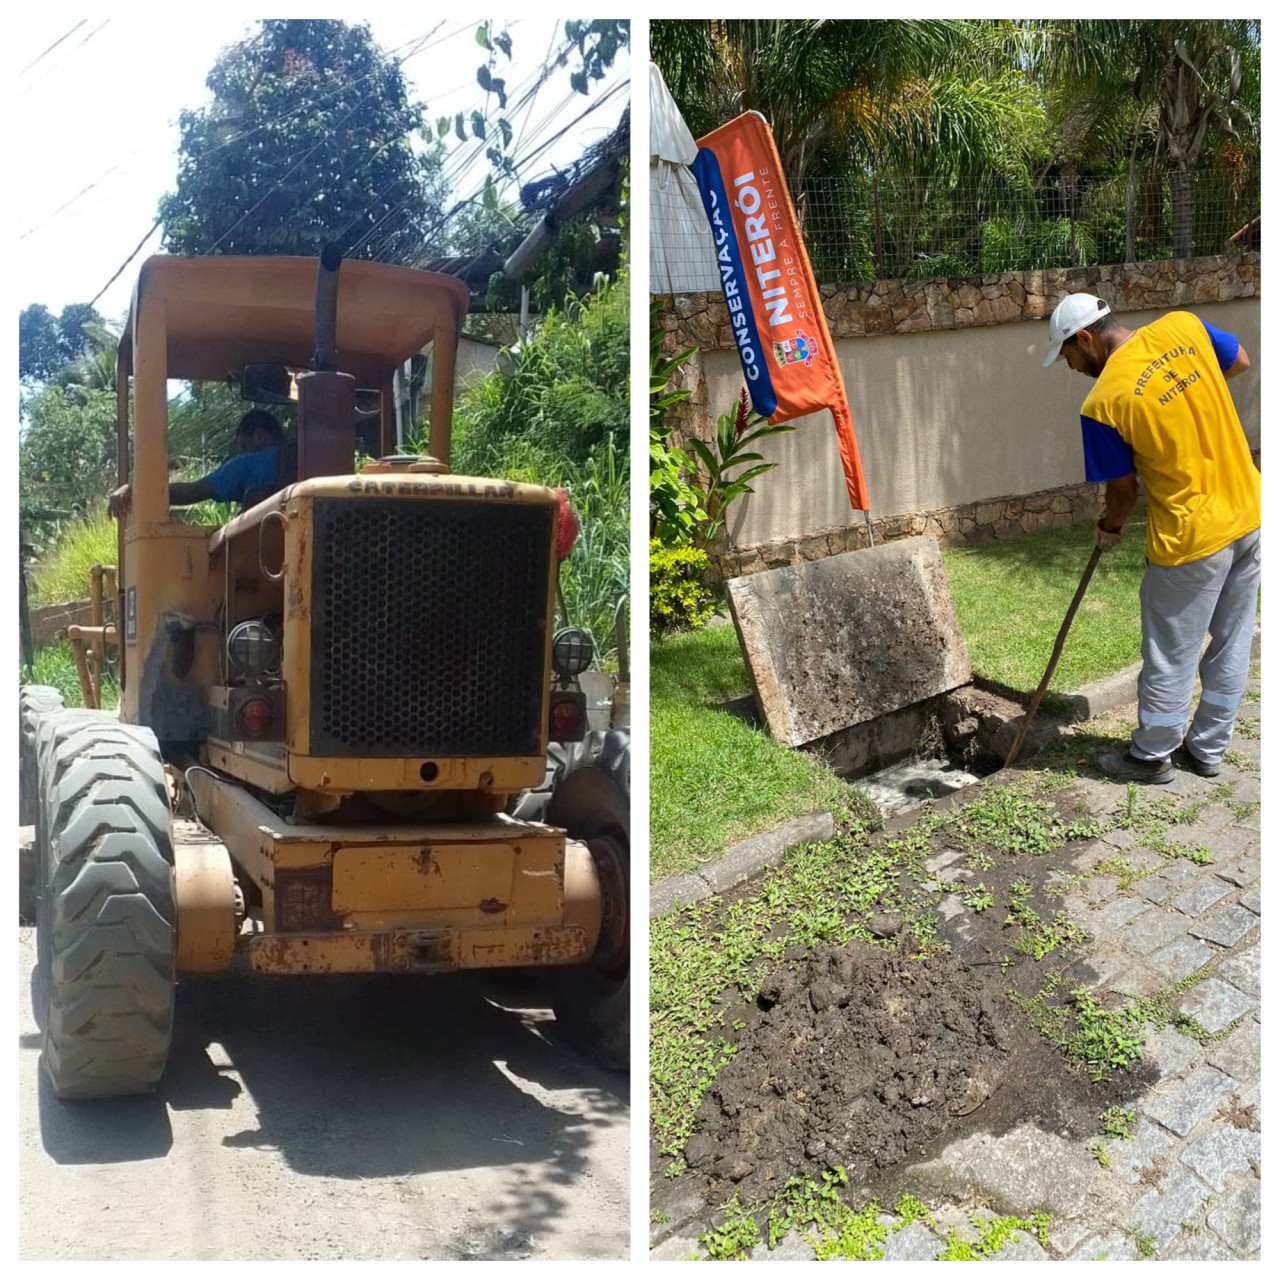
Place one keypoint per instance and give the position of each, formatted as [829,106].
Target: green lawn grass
[713,778]
[1012,594]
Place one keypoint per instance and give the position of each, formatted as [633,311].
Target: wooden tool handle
[1034,705]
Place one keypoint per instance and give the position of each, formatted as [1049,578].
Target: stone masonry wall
[885,307]
[969,523]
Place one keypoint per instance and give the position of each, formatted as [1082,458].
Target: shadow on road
[380,1078]
[115,1132]
[374,1078]
[358,1078]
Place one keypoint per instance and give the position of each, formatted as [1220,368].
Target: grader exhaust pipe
[326,398]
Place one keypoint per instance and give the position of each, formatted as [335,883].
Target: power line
[457,163]
[41,56]
[70,53]
[120,270]
[66,204]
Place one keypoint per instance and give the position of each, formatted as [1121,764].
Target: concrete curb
[1105,694]
[1114,691]
[742,861]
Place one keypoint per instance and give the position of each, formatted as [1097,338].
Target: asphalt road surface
[341,1118]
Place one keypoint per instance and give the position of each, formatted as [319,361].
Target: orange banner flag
[774,308]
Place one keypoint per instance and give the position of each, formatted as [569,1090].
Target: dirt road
[337,1119]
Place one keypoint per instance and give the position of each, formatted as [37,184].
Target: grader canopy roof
[221,313]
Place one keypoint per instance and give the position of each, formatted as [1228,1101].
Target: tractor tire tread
[109,918]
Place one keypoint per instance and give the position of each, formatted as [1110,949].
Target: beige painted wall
[942,419]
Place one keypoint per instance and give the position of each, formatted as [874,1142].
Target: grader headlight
[571,652]
[254,650]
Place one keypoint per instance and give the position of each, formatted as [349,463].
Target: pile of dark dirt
[860,1058]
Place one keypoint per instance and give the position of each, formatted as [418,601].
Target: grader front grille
[429,627]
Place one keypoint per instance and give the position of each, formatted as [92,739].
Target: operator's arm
[183,493]
[1239,364]
[1121,496]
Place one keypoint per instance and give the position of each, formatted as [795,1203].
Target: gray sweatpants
[1217,595]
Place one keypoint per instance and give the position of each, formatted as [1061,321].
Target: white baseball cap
[1075,312]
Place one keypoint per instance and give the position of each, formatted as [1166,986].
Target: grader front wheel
[105,923]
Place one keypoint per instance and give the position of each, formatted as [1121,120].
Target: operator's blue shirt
[231,481]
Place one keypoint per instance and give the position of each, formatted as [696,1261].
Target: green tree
[66,458]
[39,347]
[310,138]
[46,344]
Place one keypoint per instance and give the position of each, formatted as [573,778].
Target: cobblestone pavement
[1186,1183]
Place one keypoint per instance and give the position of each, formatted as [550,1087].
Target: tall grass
[63,572]
[596,574]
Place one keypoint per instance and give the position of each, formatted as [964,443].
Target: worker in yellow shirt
[1160,411]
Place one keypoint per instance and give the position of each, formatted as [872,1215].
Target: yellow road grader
[355,687]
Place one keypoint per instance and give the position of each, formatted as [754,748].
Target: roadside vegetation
[55,666]
[555,412]
[63,573]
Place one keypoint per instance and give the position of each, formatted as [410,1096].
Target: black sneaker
[1201,768]
[1126,767]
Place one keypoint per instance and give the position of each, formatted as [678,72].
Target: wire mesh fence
[875,227]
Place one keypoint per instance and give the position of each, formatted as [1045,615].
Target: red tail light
[568,717]
[256,717]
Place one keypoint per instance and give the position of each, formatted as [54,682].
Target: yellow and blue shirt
[1161,408]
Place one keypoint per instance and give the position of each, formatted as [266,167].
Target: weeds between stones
[817,1210]
[1116,1122]
[1144,1241]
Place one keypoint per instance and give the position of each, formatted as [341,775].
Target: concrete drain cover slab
[837,642]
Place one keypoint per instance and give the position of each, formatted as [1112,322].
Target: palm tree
[894,116]
[1184,75]
[861,84]
[94,369]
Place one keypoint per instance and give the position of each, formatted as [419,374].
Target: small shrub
[678,598]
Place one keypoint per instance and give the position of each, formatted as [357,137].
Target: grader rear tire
[106,918]
[592,802]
